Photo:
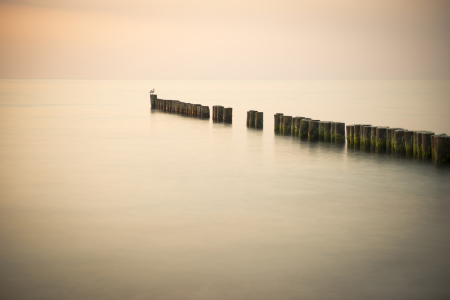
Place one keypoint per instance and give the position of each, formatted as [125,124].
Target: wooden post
[365,137]
[332,131]
[228,115]
[441,149]
[326,131]
[339,132]
[297,128]
[153,98]
[205,112]
[252,118]
[352,135]
[418,144]
[409,142]
[304,126]
[426,144]
[347,131]
[195,110]
[433,147]
[313,130]
[389,139]
[259,120]
[278,119]
[321,130]
[398,142]
[287,123]
[381,139]
[293,125]
[219,116]
[373,138]
[357,136]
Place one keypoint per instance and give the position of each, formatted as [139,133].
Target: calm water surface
[102,198]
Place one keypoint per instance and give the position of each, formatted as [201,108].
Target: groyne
[179,107]
[425,145]
[309,129]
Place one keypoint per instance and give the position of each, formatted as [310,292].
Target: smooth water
[102,198]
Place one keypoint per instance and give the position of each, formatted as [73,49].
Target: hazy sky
[233,39]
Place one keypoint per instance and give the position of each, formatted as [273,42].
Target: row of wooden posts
[222,114]
[379,139]
[307,128]
[196,110]
[178,107]
[400,141]
[255,119]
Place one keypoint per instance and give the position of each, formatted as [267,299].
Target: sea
[102,197]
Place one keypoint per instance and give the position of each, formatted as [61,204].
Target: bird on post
[152,91]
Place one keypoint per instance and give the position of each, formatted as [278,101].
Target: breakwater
[400,141]
[179,107]
[365,137]
[309,129]
[425,145]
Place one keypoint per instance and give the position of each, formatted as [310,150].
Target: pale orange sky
[173,39]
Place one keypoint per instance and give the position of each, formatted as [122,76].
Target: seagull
[152,91]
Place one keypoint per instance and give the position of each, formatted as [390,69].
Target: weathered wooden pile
[179,107]
[255,119]
[307,128]
[222,114]
[381,139]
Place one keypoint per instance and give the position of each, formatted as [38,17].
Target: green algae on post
[409,143]
[398,142]
[332,131]
[287,123]
[381,139]
[441,149]
[352,136]
[278,119]
[303,130]
[326,131]
[251,118]
[389,137]
[365,138]
[433,146]
[313,130]
[418,144]
[347,131]
[321,130]
[297,131]
[293,125]
[373,138]
[259,120]
[426,144]
[339,132]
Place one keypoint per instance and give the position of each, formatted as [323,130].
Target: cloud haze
[225,39]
